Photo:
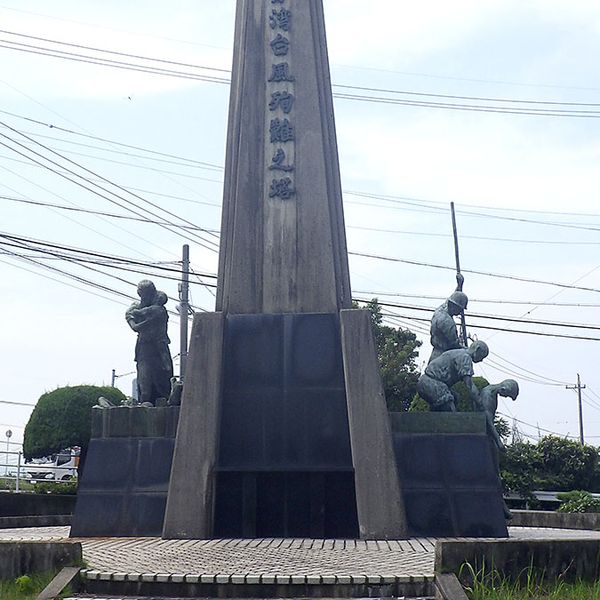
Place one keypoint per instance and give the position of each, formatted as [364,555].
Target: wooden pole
[463,324]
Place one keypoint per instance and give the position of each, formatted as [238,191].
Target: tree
[566,464]
[554,463]
[397,350]
[62,419]
[520,466]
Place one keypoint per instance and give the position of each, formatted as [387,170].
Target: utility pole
[463,324]
[184,310]
[113,378]
[579,387]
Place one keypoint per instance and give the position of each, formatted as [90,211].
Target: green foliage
[520,466]
[554,463]
[463,403]
[68,488]
[28,587]
[397,350]
[502,427]
[487,584]
[24,584]
[578,502]
[62,419]
[418,404]
[567,464]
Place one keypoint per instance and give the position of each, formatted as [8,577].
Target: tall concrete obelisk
[283,429]
[283,243]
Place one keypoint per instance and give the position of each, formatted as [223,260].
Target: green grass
[8,485]
[531,586]
[27,587]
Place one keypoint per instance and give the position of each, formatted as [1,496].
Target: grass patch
[28,587]
[491,585]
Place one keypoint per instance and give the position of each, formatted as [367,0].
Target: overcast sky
[525,185]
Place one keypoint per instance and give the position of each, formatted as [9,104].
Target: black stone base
[123,490]
[447,469]
[284,465]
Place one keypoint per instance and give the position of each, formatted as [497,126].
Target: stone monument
[283,428]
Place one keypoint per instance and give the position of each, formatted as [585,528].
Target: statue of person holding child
[149,318]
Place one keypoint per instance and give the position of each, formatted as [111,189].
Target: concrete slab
[341,563]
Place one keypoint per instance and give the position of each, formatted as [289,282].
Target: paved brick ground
[263,560]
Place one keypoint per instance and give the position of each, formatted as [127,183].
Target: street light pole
[184,304]
[8,436]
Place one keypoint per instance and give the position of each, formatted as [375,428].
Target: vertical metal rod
[184,311]
[112,379]
[17,485]
[463,324]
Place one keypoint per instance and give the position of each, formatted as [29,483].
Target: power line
[148,68]
[424,204]
[159,266]
[104,214]
[477,237]
[482,300]
[503,329]
[95,184]
[16,404]
[485,273]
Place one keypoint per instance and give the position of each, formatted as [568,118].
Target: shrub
[578,502]
[52,487]
[62,419]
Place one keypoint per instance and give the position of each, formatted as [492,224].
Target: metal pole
[463,324]
[8,436]
[579,387]
[184,311]
[17,486]
[113,377]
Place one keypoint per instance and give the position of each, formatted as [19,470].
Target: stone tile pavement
[280,561]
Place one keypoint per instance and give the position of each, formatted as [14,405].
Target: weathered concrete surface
[282,255]
[59,583]
[190,503]
[35,521]
[378,497]
[543,518]
[26,558]
[568,559]
[447,587]
[438,422]
[135,421]
[22,505]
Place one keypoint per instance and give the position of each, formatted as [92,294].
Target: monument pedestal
[450,483]
[123,490]
[293,455]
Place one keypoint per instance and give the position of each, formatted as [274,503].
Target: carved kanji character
[285,100]
[282,188]
[281,72]
[277,162]
[280,45]
[281,131]
[280,18]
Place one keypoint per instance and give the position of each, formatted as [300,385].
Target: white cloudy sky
[526,169]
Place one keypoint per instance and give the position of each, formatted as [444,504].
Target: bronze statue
[444,335]
[435,384]
[148,318]
[488,403]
